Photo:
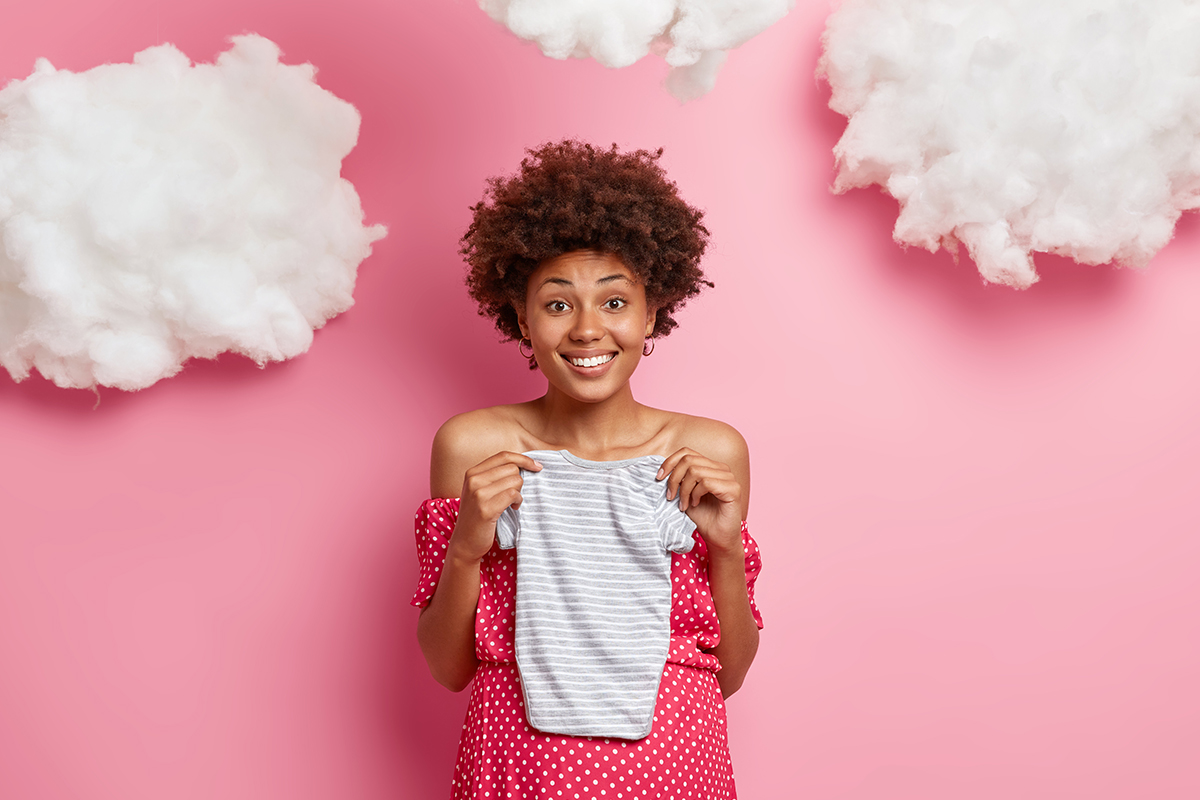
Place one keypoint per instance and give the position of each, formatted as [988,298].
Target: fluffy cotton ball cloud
[692,35]
[1021,126]
[158,211]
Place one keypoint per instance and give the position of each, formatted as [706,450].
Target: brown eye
[558,306]
[615,304]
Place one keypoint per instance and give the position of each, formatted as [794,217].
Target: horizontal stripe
[592,694]
[596,673]
[585,711]
[627,495]
[540,656]
[602,595]
[620,485]
[551,628]
[600,572]
[554,523]
[614,678]
[651,609]
[593,591]
[634,654]
[596,554]
[592,681]
[601,618]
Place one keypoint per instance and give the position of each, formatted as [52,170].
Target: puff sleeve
[433,525]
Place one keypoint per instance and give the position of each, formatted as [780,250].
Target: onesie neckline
[571,458]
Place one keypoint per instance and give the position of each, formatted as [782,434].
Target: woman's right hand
[489,487]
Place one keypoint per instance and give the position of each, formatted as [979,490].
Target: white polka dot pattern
[685,757]
[686,754]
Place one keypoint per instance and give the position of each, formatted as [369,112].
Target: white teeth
[594,361]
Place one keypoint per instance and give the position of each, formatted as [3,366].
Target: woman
[584,257]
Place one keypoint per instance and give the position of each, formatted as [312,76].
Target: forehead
[581,269]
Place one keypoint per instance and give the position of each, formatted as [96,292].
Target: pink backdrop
[977,507]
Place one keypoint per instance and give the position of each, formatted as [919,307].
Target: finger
[504,484]
[511,499]
[683,462]
[525,462]
[700,481]
[482,474]
[717,481]
[478,483]
[693,462]
[687,487]
[670,462]
[675,480]
[508,457]
[495,480]
[690,468]
[693,488]
[499,496]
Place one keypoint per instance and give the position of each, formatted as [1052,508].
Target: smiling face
[587,317]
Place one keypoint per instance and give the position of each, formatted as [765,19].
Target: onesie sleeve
[675,528]
[434,524]
[507,528]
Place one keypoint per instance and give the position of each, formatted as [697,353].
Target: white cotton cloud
[158,211]
[692,35]
[1022,126]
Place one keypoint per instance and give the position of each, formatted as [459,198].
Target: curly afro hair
[570,196]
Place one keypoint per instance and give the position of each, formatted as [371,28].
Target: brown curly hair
[569,196]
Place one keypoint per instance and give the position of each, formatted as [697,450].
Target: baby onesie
[594,542]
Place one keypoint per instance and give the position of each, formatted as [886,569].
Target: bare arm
[446,628]
[716,495]
[739,631]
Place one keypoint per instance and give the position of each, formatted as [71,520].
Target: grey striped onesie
[593,618]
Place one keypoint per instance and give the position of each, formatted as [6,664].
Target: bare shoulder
[466,439]
[717,440]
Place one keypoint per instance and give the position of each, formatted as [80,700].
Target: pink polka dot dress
[686,755]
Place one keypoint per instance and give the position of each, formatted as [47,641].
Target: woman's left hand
[710,494]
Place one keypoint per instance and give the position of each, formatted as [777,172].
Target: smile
[594,361]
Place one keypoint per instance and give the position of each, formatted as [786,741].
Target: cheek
[543,329]
[641,324]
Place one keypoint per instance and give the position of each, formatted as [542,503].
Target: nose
[588,326]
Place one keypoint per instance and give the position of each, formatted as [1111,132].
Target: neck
[590,430]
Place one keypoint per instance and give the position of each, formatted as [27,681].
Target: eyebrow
[604,280]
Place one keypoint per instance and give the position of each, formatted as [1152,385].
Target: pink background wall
[977,507]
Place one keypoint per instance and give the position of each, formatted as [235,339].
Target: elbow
[729,687]
[453,676]
[454,670]
[734,669]
[449,672]
[731,680]
[454,680]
